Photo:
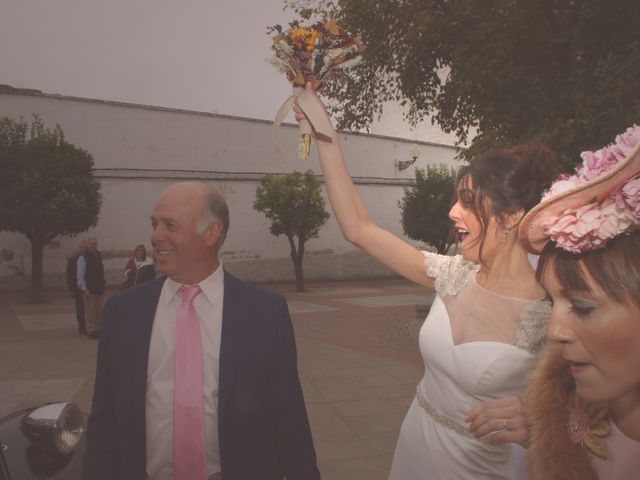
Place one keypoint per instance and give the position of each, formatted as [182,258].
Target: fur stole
[549,399]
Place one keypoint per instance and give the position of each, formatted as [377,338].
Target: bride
[487,323]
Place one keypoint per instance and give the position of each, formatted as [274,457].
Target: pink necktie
[188,405]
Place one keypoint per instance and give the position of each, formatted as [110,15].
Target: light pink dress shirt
[159,399]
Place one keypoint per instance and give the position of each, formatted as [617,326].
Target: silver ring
[504,424]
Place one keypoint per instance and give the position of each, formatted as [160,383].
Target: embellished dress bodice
[491,359]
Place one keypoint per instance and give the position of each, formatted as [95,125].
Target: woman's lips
[578,367]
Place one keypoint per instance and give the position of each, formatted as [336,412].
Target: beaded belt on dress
[445,421]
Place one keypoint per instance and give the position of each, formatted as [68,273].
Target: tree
[295,207]
[564,72]
[47,187]
[425,206]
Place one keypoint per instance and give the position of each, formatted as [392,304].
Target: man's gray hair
[215,209]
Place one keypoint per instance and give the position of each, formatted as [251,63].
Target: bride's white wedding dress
[491,362]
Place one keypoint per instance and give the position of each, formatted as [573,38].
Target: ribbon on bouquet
[317,121]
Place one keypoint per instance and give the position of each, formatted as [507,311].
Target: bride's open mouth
[463,233]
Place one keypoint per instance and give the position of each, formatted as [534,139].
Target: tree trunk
[296,256]
[37,247]
[299,275]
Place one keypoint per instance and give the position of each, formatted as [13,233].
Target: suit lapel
[230,341]
[143,314]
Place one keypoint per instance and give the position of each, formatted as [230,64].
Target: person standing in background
[91,283]
[72,285]
[139,269]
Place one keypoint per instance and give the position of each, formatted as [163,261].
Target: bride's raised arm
[353,218]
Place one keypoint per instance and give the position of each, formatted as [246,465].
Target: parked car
[43,442]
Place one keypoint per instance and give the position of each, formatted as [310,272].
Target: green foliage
[294,205]
[563,72]
[425,206]
[47,186]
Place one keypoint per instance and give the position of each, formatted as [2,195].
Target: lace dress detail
[450,274]
[531,333]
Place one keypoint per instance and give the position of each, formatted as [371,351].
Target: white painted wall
[139,150]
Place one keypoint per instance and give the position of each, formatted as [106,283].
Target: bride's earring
[505,230]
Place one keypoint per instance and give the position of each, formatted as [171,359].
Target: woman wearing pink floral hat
[583,399]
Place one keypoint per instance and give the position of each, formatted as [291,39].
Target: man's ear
[212,233]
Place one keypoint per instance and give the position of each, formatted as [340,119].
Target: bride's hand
[310,88]
[502,419]
[299,113]
[319,110]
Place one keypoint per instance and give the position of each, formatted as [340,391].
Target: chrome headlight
[56,426]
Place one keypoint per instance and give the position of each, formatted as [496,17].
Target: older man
[197,374]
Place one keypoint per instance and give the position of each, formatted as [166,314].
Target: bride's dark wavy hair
[501,182]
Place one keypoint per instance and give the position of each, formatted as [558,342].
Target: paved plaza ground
[357,356]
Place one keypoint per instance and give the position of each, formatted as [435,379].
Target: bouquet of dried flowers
[313,53]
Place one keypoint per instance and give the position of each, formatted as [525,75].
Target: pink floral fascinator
[600,201]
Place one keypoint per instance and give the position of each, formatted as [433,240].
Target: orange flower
[332,27]
[304,39]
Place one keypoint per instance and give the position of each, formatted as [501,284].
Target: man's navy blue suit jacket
[262,422]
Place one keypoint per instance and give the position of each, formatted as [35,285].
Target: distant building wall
[139,150]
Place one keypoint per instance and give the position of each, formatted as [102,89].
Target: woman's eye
[582,309]
[466,198]
[547,298]
[466,201]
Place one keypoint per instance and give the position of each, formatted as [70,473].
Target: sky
[201,55]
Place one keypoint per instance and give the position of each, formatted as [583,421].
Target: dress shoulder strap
[450,273]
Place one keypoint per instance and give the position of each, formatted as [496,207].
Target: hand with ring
[503,420]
